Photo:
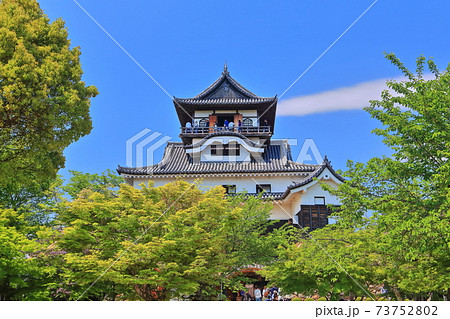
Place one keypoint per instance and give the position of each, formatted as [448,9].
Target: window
[319,200]
[203,123]
[230,189]
[263,188]
[232,149]
[247,122]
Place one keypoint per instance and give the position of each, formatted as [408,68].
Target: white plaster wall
[316,190]
[279,213]
[243,183]
[248,113]
[202,113]
[278,184]
[225,111]
[245,113]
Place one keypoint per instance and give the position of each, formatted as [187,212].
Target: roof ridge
[225,76]
[209,88]
[241,88]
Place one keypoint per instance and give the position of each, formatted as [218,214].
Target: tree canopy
[148,243]
[401,202]
[44,103]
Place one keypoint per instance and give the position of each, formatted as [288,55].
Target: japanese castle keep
[226,140]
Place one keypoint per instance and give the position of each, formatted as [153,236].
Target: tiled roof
[225,90]
[176,161]
[326,164]
[225,100]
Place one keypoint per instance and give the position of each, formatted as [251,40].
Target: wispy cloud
[353,97]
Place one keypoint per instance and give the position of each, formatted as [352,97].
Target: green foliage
[35,201]
[22,275]
[106,183]
[305,267]
[44,104]
[173,241]
[244,239]
[394,222]
[408,194]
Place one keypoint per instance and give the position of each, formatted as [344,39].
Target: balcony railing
[240,129]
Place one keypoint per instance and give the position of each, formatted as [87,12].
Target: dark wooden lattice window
[232,149]
[313,216]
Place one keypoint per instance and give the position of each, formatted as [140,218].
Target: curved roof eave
[326,164]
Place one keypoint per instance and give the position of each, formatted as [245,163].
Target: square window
[318,200]
[230,189]
[263,188]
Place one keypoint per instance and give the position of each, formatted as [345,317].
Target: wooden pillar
[212,121]
[236,119]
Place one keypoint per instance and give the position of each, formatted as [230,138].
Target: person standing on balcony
[188,127]
[231,126]
[225,125]
[239,126]
[196,126]
[266,124]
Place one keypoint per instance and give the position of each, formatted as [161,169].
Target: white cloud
[353,97]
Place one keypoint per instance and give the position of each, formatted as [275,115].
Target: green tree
[35,201]
[393,226]
[23,275]
[44,104]
[173,241]
[408,193]
[106,183]
[336,261]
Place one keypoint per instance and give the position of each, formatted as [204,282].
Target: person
[239,125]
[267,294]
[188,127]
[225,125]
[266,124]
[275,295]
[196,126]
[258,294]
[280,296]
[384,290]
[231,126]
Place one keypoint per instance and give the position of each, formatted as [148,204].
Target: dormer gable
[229,147]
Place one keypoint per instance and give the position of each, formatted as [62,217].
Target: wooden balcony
[244,130]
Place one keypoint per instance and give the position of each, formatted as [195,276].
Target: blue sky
[267,45]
